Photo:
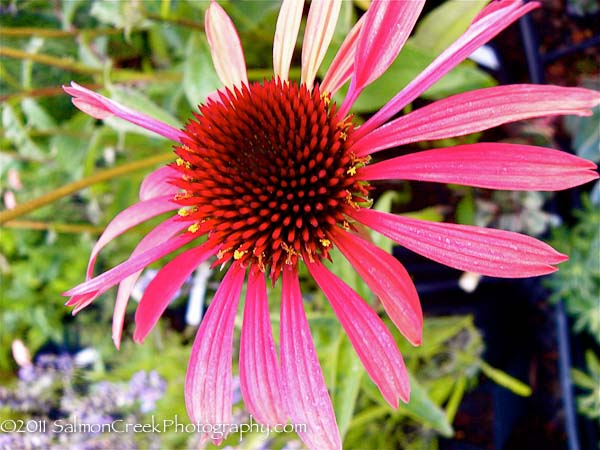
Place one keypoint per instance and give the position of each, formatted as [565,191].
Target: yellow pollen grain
[237,255]
[325,242]
[180,162]
[193,228]
[351,171]
[183,212]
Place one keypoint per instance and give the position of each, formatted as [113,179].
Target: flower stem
[71,188]
[55,33]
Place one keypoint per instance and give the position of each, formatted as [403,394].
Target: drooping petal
[491,21]
[306,395]
[342,65]
[489,165]
[225,47]
[101,107]
[157,183]
[478,110]
[387,27]
[208,381]
[159,234]
[371,339]
[496,253]
[388,279]
[118,273]
[286,34]
[322,18]
[260,376]
[164,286]
[127,219]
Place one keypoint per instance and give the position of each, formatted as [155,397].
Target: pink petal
[164,286]
[81,301]
[342,66]
[307,398]
[225,47]
[387,27]
[389,281]
[118,273]
[372,341]
[208,384]
[496,253]
[320,25]
[491,21]
[101,107]
[157,183]
[489,165]
[127,219]
[477,111]
[259,369]
[159,234]
[286,34]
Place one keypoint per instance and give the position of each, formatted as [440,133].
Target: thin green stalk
[78,185]
[54,33]
[62,63]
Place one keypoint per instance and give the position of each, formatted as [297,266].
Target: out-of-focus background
[505,364]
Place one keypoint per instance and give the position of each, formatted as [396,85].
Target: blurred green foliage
[577,283]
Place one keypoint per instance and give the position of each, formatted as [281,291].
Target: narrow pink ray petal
[286,34]
[260,376]
[371,339]
[157,183]
[225,47]
[208,381]
[81,301]
[388,279]
[387,27]
[159,234]
[127,219]
[132,265]
[307,398]
[101,107]
[165,285]
[478,110]
[496,253]
[489,165]
[320,25]
[489,24]
[342,66]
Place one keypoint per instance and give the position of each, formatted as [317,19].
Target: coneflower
[272,175]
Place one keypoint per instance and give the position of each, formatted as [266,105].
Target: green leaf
[348,377]
[37,117]
[442,26]
[424,409]
[17,134]
[465,210]
[505,380]
[199,76]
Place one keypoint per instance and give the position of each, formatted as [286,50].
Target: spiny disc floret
[267,173]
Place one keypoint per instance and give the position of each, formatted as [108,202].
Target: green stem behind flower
[71,188]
